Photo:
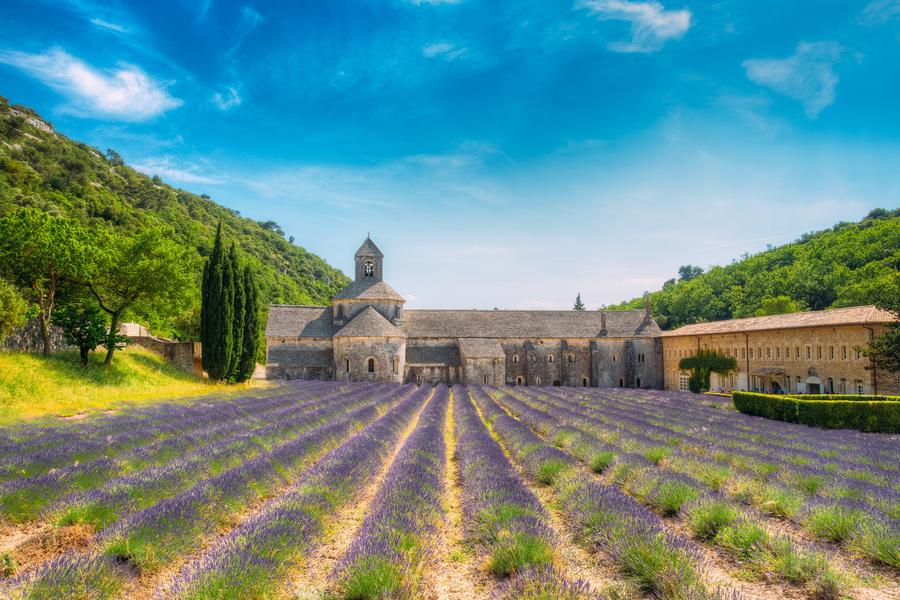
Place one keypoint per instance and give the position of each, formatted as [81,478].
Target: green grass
[707,518]
[549,470]
[833,522]
[34,386]
[515,551]
[670,496]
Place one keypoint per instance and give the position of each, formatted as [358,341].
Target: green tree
[703,364]
[236,278]
[688,272]
[12,309]
[40,253]
[145,274]
[251,327]
[778,305]
[84,325]
[579,305]
[217,312]
[884,350]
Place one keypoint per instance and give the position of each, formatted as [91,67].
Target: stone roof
[368,248]
[854,315]
[291,321]
[432,355]
[316,321]
[302,357]
[369,323]
[505,324]
[481,348]
[368,289]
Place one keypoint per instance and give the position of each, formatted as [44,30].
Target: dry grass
[34,386]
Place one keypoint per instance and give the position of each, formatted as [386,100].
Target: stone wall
[182,355]
[431,374]
[352,355]
[28,339]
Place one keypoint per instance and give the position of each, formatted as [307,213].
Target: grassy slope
[49,171]
[33,386]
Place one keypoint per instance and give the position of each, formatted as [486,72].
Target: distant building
[810,352]
[367,335]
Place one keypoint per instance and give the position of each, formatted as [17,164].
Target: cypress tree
[217,313]
[237,321]
[251,327]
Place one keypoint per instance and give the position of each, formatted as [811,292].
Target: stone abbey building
[367,335]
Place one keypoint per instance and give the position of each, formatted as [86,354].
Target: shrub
[707,518]
[519,550]
[601,461]
[670,496]
[744,540]
[373,578]
[833,523]
[877,414]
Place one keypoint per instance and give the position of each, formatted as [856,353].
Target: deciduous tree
[143,273]
[12,309]
[39,253]
[84,325]
[704,363]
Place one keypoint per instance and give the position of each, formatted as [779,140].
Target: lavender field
[337,490]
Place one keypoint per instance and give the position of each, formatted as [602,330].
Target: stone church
[367,335]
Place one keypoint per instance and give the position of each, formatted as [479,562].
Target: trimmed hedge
[877,414]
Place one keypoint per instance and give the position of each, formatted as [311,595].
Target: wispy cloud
[125,93]
[444,50]
[806,76]
[879,12]
[102,24]
[179,171]
[652,25]
[249,21]
[433,2]
[227,99]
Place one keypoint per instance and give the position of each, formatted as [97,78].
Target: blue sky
[502,153]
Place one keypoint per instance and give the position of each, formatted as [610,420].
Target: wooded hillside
[46,170]
[848,265]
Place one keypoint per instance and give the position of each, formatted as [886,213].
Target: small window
[515,358]
[768,352]
[347,365]
[843,388]
[831,352]
[369,269]
[637,382]
[778,352]
[751,352]
[844,352]
[797,352]
[371,368]
[519,380]
[396,364]
[584,382]
[485,380]
[621,383]
[787,351]
[614,358]
[538,381]
[549,358]
[859,386]
[808,353]
[571,358]
[829,385]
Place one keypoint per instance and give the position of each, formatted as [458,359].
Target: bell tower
[369,262]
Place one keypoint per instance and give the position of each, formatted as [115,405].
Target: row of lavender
[503,520]
[857,508]
[709,516]
[255,559]
[166,532]
[662,563]
[389,552]
[145,471]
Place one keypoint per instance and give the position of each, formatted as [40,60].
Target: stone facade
[368,335]
[814,352]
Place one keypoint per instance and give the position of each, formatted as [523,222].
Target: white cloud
[807,76]
[168,169]
[125,93]
[433,2]
[227,100]
[109,25]
[444,50]
[879,12]
[651,23]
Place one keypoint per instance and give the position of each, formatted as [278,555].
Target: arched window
[584,382]
[515,358]
[638,382]
[571,358]
[369,269]
[485,379]
[614,358]
[347,364]
[538,381]
[396,363]
[519,380]
[549,358]
[371,364]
